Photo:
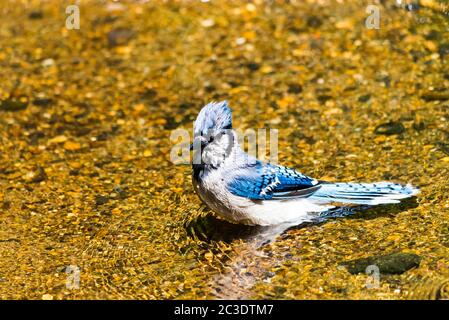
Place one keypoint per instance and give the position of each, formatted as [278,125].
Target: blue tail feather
[364,193]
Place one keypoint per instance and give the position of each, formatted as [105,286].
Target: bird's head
[213,135]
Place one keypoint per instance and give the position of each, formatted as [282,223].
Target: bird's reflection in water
[209,228]
[242,270]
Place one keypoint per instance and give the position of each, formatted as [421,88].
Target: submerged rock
[314,22]
[119,36]
[364,98]
[435,96]
[419,125]
[443,49]
[42,102]
[444,147]
[253,66]
[395,263]
[36,176]
[12,105]
[119,191]
[36,15]
[390,128]
[323,98]
[294,88]
[100,199]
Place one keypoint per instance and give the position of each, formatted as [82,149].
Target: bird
[244,190]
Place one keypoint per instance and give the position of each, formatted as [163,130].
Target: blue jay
[243,189]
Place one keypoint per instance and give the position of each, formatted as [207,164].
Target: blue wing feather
[266,182]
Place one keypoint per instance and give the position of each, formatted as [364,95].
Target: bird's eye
[211,139]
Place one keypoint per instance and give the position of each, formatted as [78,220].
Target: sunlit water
[86,181]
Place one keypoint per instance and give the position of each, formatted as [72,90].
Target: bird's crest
[213,116]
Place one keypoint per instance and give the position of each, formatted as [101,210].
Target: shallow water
[86,181]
